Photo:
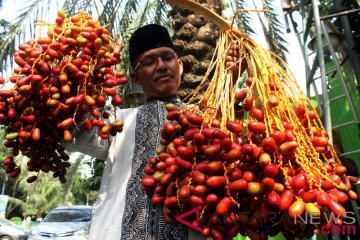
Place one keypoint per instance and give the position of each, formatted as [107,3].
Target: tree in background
[37,198]
[123,16]
[45,194]
[85,189]
[195,39]
[10,186]
[3,154]
[4,31]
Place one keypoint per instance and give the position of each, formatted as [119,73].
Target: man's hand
[119,45]
[233,60]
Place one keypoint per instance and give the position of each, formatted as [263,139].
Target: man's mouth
[163,77]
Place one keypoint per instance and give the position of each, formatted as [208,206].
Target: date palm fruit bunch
[60,78]
[274,160]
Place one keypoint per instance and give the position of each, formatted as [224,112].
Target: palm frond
[93,8]
[72,172]
[110,14]
[45,193]
[4,31]
[161,12]
[144,13]
[242,19]
[15,202]
[71,7]
[275,29]
[18,29]
[130,9]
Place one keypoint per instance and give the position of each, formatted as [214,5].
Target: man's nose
[160,62]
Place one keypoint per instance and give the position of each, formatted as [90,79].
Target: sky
[294,55]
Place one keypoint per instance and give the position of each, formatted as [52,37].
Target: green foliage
[4,31]
[4,28]
[122,18]
[273,28]
[243,18]
[27,13]
[85,190]
[16,219]
[45,194]
[4,152]
[15,206]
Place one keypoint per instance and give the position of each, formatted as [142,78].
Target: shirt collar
[171,99]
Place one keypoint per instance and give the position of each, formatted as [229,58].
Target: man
[124,211]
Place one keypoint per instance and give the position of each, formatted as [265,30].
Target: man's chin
[165,92]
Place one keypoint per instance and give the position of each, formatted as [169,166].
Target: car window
[69,215]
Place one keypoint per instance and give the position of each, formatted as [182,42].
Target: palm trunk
[195,40]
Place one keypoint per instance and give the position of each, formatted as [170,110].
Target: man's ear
[181,66]
[134,78]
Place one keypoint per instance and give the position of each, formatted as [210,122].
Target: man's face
[158,71]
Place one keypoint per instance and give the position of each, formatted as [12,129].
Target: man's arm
[88,142]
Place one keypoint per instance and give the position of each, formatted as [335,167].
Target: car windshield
[69,215]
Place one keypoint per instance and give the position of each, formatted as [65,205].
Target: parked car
[67,223]
[10,231]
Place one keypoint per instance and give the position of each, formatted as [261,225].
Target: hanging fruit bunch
[59,79]
[258,173]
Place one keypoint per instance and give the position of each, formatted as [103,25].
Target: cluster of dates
[247,177]
[59,78]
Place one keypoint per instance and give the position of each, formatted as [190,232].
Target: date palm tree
[195,40]
[194,36]
[123,16]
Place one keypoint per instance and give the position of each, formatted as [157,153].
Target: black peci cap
[148,37]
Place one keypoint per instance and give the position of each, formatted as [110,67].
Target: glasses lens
[168,57]
[150,62]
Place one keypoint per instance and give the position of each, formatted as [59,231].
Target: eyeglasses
[150,62]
